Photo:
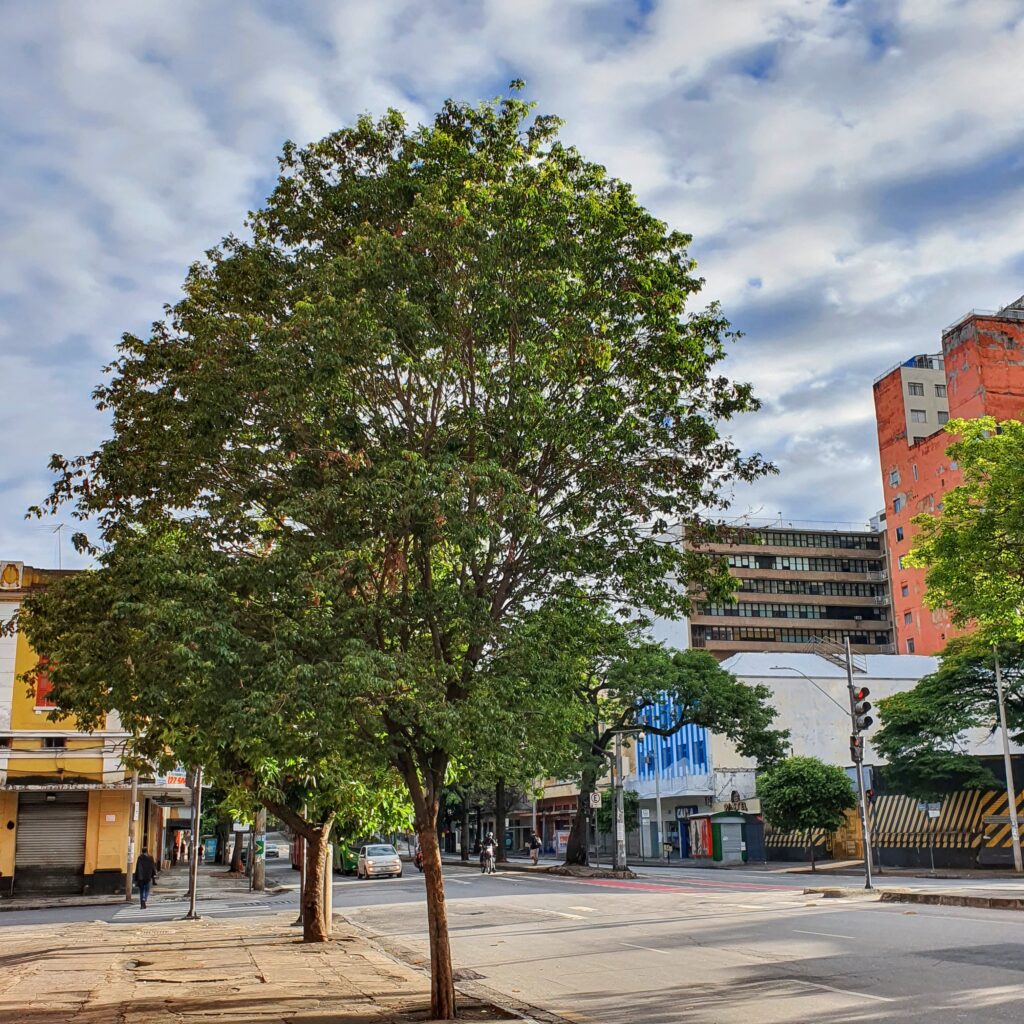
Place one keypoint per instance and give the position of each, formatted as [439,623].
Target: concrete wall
[106,840]
[8,830]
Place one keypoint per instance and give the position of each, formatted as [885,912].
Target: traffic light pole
[857,750]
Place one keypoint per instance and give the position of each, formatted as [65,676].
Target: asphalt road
[678,946]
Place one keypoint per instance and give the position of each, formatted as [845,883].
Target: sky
[852,174]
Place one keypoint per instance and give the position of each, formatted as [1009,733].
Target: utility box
[722,837]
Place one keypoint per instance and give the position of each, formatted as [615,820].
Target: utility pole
[657,795]
[259,862]
[1011,789]
[193,867]
[860,721]
[620,817]
[133,827]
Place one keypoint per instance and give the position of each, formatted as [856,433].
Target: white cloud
[836,163]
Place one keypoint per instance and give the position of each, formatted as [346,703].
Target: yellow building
[65,798]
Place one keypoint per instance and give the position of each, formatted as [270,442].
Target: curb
[945,899]
[833,892]
[86,901]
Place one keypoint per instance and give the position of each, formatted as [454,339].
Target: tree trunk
[811,846]
[259,860]
[236,854]
[442,984]
[576,850]
[314,926]
[464,852]
[499,821]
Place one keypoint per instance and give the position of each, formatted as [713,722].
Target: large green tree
[180,643]
[923,733]
[803,794]
[973,548]
[452,368]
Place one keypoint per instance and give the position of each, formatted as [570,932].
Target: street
[671,946]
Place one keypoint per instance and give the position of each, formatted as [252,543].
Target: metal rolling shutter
[51,833]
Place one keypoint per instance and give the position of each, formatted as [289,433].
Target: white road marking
[557,913]
[828,935]
[457,881]
[647,949]
[844,991]
[589,910]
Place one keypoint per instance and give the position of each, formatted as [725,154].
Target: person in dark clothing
[534,845]
[145,876]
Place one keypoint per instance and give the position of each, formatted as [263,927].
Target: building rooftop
[769,664]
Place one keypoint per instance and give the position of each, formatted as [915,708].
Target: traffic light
[856,749]
[861,706]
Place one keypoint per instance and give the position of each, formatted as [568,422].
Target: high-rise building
[980,372]
[797,586]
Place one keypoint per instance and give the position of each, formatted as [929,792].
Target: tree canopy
[973,549]
[922,733]
[805,794]
[451,370]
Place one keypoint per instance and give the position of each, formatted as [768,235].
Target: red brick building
[980,372]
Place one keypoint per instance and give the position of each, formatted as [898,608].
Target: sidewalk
[207,971]
[172,884]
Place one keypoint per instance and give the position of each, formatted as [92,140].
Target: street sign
[645,813]
[239,826]
[933,810]
[620,831]
[595,799]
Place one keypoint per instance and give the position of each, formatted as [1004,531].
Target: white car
[378,860]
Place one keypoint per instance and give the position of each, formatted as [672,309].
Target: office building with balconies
[796,587]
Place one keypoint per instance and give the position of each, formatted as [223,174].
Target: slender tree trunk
[464,852]
[576,850]
[314,926]
[811,846]
[442,983]
[499,822]
[259,860]
[236,854]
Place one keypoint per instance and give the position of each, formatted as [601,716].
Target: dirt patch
[580,871]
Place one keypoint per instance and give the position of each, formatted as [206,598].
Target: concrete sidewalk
[172,885]
[207,971]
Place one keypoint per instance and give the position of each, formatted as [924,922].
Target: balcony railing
[877,575]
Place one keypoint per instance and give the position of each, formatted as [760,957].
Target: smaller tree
[803,794]
[605,815]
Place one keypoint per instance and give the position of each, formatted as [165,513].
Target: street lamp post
[1011,789]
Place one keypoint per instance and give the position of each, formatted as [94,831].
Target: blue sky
[852,174]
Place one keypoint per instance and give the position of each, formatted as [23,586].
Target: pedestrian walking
[534,845]
[145,876]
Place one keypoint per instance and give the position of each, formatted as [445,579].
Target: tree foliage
[805,794]
[973,549]
[923,731]
[451,371]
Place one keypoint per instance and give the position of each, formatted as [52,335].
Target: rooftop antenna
[60,536]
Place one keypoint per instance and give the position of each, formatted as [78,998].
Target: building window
[894,478]
[905,590]
[915,389]
[940,390]
[897,504]
[943,417]
[910,646]
[918,416]
[899,533]
[914,468]
[54,742]
[5,742]
[44,685]
[902,566]
[908,618]
[918,440]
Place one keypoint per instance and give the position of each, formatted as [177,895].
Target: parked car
[378,860]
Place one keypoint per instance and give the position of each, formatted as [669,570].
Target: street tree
[176,641]
[803,794]
[451,368]
[973,549]
[924,731]
[622,682]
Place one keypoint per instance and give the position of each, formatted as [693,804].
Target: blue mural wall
[685,753]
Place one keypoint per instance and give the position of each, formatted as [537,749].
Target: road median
[983,900]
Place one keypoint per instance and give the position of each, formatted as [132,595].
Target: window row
[799,563]
[921,416]
[799,539]
[701,635]
[917,388]
[764,610]
[830,588]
